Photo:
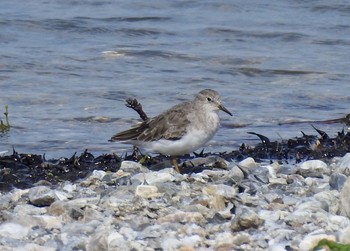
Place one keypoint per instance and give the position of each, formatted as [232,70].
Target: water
[66,67]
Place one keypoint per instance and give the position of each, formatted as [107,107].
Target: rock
[116,240]
[310,241]
[344,235]
[235,173]
[97,174]
[273,169]
[170,243]
[152,178]
[210,161]
[14,230]
[182,217]
[314,168]
[248,163]
[69,187]
[35,247]
[47,221]
[344,198]
[228,241]
[28,209]
[245,218]
[132,167]
[99,241]
[60,195]
[188,243]
[298,218]
[277,247]
[337,181]
[74,209]
[218,195]
[41,196]
[221,190]
[344,165]
[147,191]
[330,200]
[337,222]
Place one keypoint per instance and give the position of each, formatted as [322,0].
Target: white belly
[187,144]
[197,137]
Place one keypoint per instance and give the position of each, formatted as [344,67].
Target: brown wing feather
[168,125]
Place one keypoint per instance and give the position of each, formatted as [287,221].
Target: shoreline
[228,201]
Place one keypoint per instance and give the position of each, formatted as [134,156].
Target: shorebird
[180,130]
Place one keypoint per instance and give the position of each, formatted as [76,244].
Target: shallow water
[66,68]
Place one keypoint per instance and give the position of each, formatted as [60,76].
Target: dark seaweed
[25,170]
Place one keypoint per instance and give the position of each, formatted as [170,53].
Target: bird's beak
[222,108]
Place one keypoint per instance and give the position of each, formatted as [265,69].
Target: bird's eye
[209,99]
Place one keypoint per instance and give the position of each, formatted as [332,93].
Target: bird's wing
[171,125]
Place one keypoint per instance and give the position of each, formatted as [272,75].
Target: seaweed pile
[25,170]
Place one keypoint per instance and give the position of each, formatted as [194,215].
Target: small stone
[330,200]
[186,248]
[210,161]
[41,196]
[182,217]
[227,241]
[235,173]
[316,166]
[99,241]
[35,247]
[147,191]
[311,241]
[248,163]
[28,209]
[344,198]
[63,208]
[189,242]
[47,221]
[98,174]
[153,177]
[245,218]
[337,181]
[13,230]
[62,195]
[69,187]
[344,164]
[221,189]
[344,235]
[132,167]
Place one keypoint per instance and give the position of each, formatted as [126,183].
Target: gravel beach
[230,206]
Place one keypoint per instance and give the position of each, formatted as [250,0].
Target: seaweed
[4,127]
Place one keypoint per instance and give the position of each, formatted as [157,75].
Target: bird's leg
[174,162]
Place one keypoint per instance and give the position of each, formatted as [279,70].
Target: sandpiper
[180,130]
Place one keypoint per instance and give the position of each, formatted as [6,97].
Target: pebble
[344,198]
[154,177]
[248,163]
[310,241]
[41,196]
[337,181]
[249,206]
[132,167]
[13,230]
[344,164]
[147,191]
[245,218]
[314,168]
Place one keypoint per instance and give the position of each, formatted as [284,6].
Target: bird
[179,130]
